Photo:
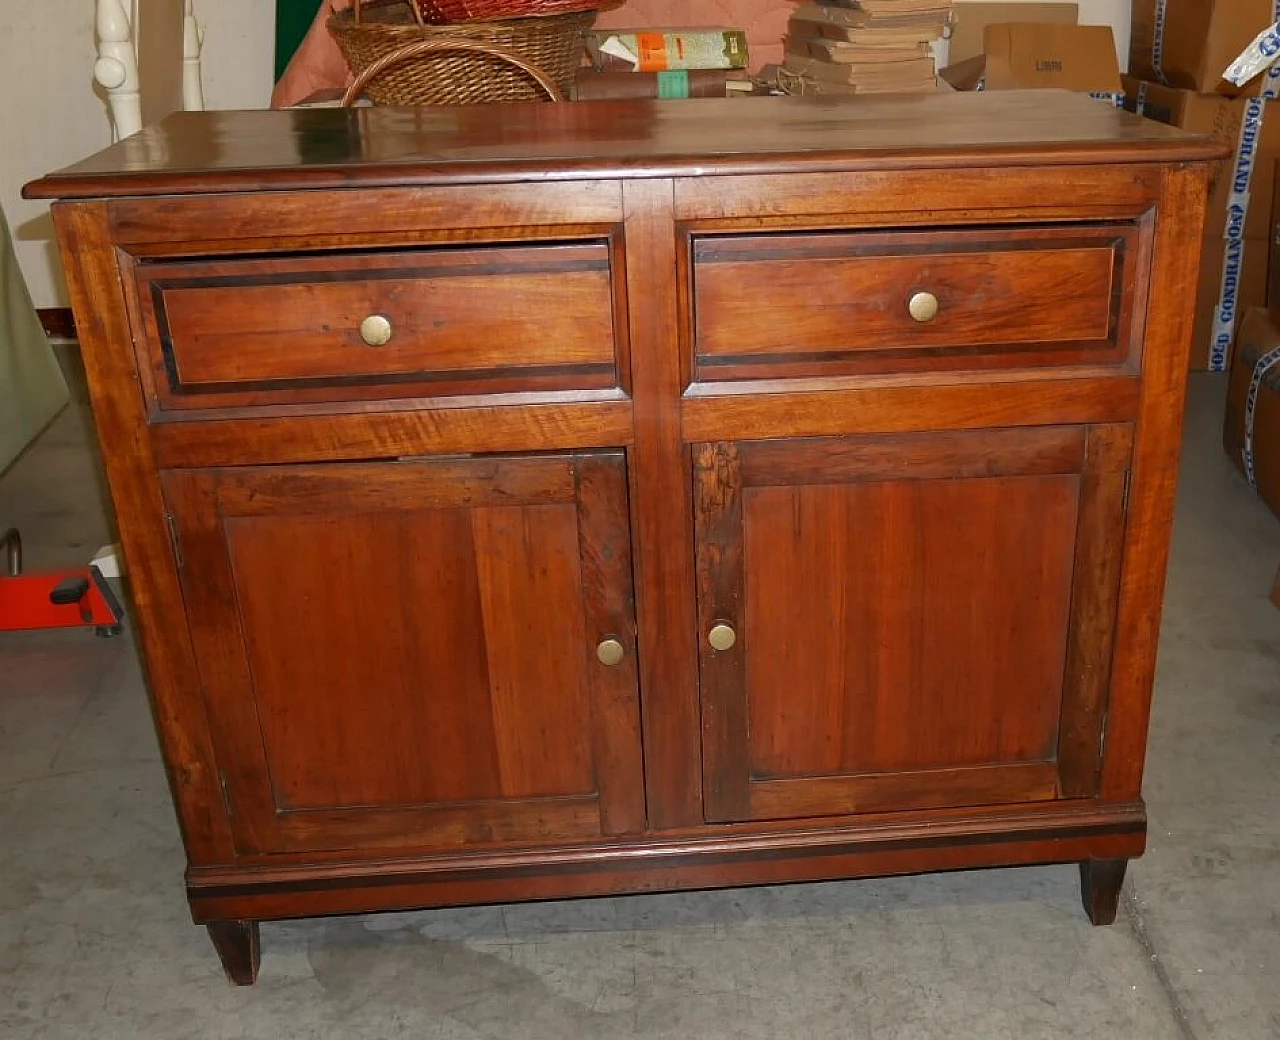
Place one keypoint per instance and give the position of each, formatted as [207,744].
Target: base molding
[703,859]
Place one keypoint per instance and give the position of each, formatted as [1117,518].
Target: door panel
[918,618]
[403,654]
[818,706]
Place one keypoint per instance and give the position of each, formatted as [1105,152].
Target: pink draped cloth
[319,65]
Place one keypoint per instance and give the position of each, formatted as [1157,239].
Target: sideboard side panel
[1154,478]
[102,322]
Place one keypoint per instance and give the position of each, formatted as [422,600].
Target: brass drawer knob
[611,651]
[923,306]
[722,637]
[376,330]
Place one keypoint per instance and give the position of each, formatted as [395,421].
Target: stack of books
[664,63]
[863,46]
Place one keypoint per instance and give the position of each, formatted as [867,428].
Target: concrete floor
[95,940]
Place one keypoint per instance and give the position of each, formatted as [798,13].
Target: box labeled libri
[1030,55]
[970,21]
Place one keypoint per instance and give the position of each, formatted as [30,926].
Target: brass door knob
[376,330]
[722,637]
[611,651]
[923,306]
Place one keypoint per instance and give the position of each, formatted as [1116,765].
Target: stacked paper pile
[863,46]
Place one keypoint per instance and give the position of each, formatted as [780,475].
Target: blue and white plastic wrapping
[1268,361]
[1227,310]
[1260,57]
[1157,42]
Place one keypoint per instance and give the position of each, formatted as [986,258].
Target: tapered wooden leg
[237,946]
[1100,881]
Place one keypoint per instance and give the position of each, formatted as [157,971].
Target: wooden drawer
[786,304]
[303,329]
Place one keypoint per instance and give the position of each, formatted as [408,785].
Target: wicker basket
[435,48]
[446,11]
[552,44]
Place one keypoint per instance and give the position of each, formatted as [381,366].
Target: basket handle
[356,5]
[420,48]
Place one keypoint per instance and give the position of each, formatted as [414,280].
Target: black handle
[70,591]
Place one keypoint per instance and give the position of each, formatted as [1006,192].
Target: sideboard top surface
[201,152]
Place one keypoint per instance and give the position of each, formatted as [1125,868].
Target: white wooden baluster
[192,45]
[117,67]
[117,70]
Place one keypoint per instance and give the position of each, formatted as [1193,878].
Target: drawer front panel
[392,324]
[837,303]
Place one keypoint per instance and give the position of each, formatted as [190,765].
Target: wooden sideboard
[535,501]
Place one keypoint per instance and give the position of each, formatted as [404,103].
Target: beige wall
[52,114]
[1114,13]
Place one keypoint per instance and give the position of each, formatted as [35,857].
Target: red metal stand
[74,598]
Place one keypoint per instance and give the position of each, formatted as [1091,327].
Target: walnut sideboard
[534,501]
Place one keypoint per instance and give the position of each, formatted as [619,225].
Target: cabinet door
[406,654]
[915,621]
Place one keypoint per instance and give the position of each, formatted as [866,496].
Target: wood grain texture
[173,686]
[829,407]
[413,427]
[1149,523]
[666,384]
[1091,643]
[872,846]
[377,147]
[408,692]
[340,219]
[722,674]
[796,799]
[230,333]
[609,599]
[1100,883]
[875,200]
[932,582]
[976,570]
[1060,818]
[840,302]
[239,949]
[662,515]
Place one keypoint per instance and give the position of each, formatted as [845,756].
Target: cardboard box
[1233,279]
[1236,265]
[1222,118]
[1028,55]
[969,21]
[1195,41]
[1273,277]
[1251,433]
